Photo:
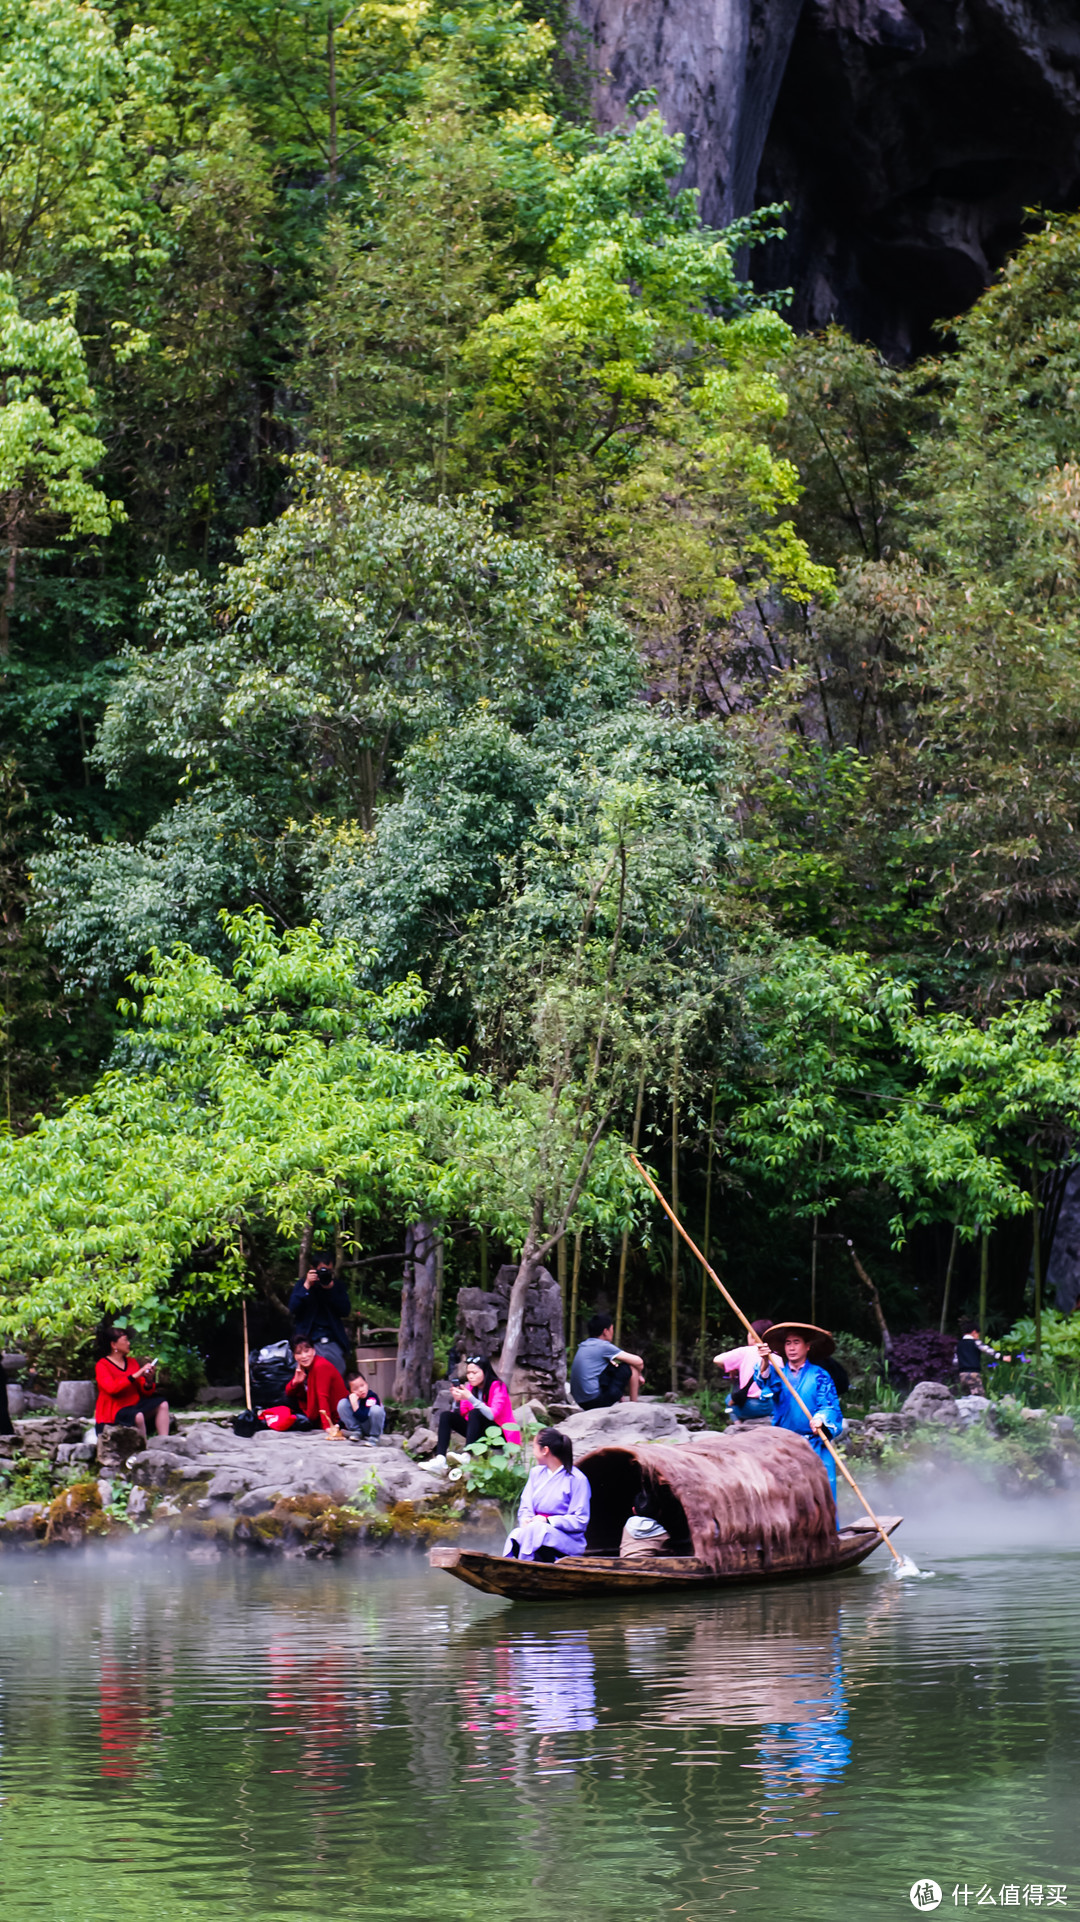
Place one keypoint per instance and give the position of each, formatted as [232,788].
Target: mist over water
[188,1741]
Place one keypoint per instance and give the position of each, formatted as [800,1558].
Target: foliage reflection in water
[231,1740]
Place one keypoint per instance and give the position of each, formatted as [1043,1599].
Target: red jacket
[318,1397]
[116,1389]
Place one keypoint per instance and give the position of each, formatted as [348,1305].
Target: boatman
[804,1348]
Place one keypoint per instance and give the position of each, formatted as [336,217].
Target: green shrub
[1060,1337]
[495,1467]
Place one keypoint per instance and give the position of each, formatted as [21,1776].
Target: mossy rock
[267,1529]
[205,1528]
[76,1513]
[405,1521]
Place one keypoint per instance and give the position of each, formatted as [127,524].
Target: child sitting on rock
[361,1413]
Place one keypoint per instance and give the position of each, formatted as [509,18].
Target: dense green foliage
[416,533]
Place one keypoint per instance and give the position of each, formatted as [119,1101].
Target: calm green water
[184,1741]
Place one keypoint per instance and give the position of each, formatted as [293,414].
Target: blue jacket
[318,1311]
[818,1391]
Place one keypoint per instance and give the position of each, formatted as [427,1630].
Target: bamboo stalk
[674,1233]
[1036,1260]
[705,1237]
[984,1276]
[247,1359]
[948,1280]
[634,1139]
[734,1306]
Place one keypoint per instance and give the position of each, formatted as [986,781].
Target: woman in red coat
[125,1386]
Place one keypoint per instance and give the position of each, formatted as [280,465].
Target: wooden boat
[750,1505]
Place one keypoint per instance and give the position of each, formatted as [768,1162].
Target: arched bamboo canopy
[751,1497]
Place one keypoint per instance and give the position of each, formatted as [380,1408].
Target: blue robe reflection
[818,1391]
[815,1748]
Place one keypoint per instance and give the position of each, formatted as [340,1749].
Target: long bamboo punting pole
[734,1306]
[247,1360]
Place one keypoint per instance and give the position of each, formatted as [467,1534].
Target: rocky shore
[208,1491]
[296,1494]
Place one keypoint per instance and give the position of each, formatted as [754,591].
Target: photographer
[317,1305]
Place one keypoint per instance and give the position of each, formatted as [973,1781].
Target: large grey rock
[886,1423]
[228,1483]
[397,1479]
[76,1398]
[626,1425]
[907,135]
[258,1500]
[16,1400]
[157,1468]
[116,1447]
[230,1395]
[931,1401]
[973,1411]
[68,1452]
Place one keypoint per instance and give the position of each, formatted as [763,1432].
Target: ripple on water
[244,1741]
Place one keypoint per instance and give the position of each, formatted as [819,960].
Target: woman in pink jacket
[754,1398]
[483,1403]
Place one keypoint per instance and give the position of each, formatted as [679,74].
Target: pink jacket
[498,1400]
[745,1360]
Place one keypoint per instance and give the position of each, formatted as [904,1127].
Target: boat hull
[578,1577]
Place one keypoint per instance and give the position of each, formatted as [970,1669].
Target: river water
[204,1743]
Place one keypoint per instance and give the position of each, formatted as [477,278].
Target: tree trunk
[7,605]
[416,1348]
[879,1312]
[515,1307]
[304,1258]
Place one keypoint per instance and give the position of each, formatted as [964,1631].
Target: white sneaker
[436,1466]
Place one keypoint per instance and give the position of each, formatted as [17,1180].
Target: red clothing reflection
[124,1712]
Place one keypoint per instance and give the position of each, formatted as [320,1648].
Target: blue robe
[818,1391]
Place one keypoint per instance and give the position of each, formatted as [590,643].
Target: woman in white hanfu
[553,1513]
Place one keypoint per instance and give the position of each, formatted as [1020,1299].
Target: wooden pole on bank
[734,1306]
[247,1359]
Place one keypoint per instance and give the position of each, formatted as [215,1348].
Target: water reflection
[305,1742]
[812,1747]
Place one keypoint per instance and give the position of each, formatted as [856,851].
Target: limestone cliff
[908,136]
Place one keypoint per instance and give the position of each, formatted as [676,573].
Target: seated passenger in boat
[754,1396]
[553,1513]
[804,1347]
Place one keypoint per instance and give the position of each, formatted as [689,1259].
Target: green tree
[47,443]
[399,295]
[637,302]
[240,1103]
[81,115]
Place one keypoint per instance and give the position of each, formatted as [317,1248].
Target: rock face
[717,66]
[908,136]
[76,1398]
[541,1363]
[626,1425]
[931,1401]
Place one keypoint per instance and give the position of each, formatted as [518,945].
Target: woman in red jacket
[125,1386]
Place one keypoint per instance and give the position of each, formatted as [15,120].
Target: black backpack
[271,1372]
